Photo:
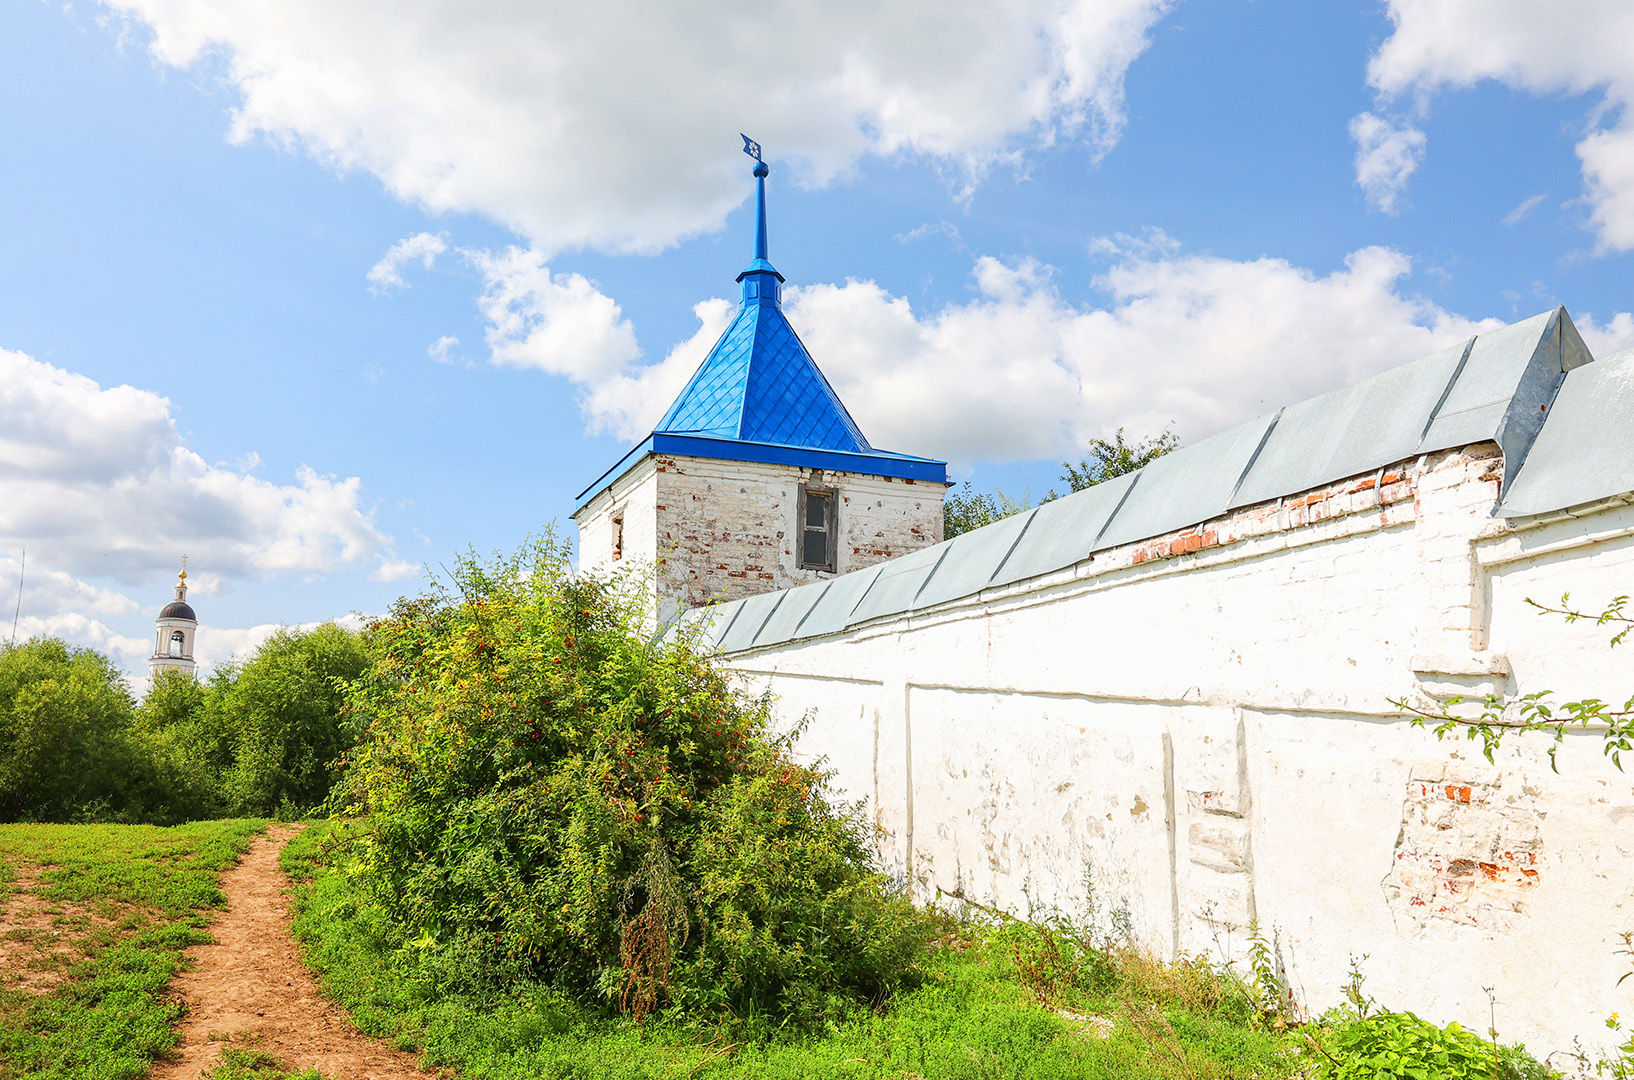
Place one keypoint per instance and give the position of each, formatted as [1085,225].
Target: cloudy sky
[322,291]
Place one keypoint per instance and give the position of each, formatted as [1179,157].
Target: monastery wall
[1199,725]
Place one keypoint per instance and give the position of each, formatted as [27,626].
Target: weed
[253,1064]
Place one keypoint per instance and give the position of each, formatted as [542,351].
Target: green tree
[281,710]
[191,745]
[1116,457]
[65,749]
[965,509]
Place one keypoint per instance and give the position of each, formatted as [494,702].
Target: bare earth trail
[251,986]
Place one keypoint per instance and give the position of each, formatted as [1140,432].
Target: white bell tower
[177,625]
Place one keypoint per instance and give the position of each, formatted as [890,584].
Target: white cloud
[631,401]
[559,323]
[1387,155]
[40,601]
[442,350]
[96,482]
[614,124]
[1524,209]
[217,645]
[1195,341]
[1604,339]
[387,274]
[1568,46]
[1019,373]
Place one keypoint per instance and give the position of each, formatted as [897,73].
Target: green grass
[122,902]
[974,1018]
[250,1063]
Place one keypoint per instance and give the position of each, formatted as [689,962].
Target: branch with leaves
[1537,711]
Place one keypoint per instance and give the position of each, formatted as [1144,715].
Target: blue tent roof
[759,384]
[759,396]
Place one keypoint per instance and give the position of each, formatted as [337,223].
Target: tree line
[256,738]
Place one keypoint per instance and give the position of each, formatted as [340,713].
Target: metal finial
[752,148]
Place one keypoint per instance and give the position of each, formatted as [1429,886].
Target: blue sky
[1167,214]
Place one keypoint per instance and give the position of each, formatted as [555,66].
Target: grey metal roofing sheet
[1189,485]
[1511,377]
[1476,404]
[1063,532]
[897,584]
[797,604]
[1352,430]
[725,615]
[1585,450]
[746,627]
[972,558]
[832,611]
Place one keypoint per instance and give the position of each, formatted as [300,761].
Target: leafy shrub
[1399,1044]
[547,792]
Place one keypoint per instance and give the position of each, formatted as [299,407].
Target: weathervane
[752,148]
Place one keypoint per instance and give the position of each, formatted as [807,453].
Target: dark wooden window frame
[830,521]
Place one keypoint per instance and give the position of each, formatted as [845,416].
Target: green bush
[547,792]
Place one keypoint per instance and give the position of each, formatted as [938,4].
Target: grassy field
[95,919]
[977,1016]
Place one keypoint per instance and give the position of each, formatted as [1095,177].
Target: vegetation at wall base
[993,1001]
[99,916]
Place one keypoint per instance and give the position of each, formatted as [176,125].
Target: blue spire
[759,396]
[761,282]
[758,383]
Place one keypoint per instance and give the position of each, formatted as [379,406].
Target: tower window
[177,640]
[618,537]
[816,529]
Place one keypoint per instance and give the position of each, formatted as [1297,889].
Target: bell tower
[176,627]
[757,478]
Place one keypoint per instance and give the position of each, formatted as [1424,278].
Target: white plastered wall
[632,498]
[1202,724]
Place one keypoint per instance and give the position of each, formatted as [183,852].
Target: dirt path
[251,987]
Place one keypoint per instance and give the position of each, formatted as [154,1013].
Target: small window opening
[817,530]
[177,639]
[618,537]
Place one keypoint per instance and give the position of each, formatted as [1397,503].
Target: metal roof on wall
[1566,429]
[1585,451]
